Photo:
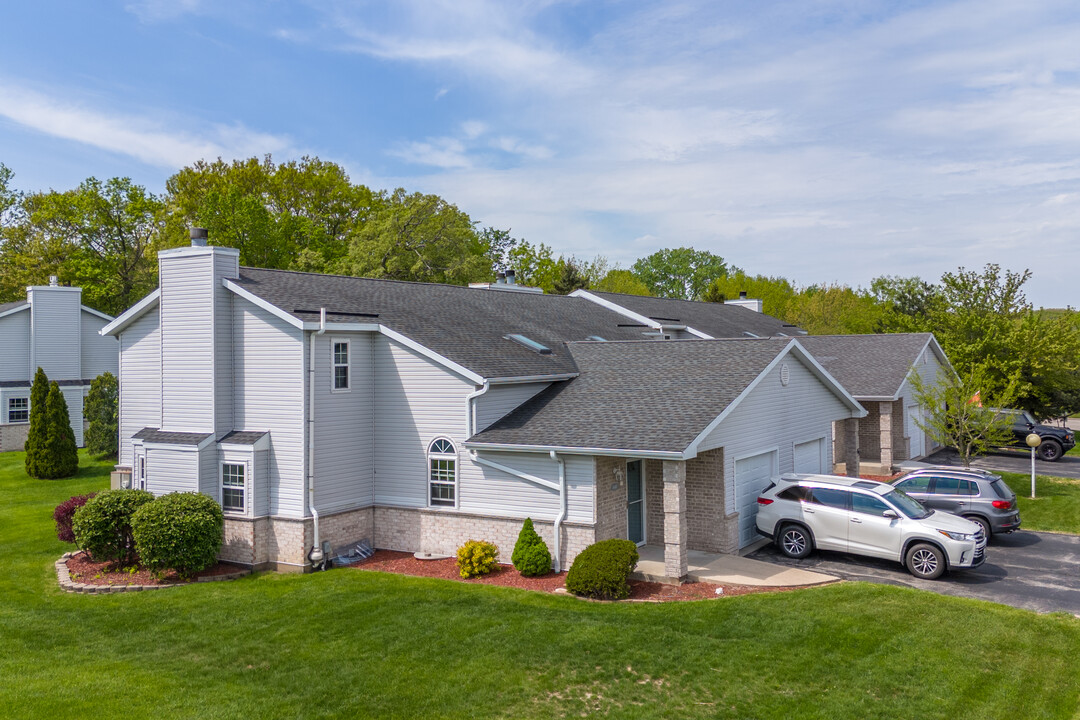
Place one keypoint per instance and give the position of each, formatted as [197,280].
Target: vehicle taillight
[764,501]
[1001,504]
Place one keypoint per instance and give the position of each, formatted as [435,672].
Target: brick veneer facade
[708,527]
[13,437]
[611,498]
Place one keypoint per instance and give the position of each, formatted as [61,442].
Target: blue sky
[822,141]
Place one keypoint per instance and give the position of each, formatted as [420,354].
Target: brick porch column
[675,518]
[850,428]
[886,436]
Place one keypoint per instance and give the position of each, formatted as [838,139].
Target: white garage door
[808,457]
[752,475]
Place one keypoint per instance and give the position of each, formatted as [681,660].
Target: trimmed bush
[602,569]
[102,526]
[179,531]
[531,556]
[65,513]
[476,558]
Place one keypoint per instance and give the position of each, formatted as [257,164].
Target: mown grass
[1056,506]
[350,643]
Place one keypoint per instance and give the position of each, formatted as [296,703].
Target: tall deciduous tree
[954,418]
[682,273]
[621,281]
[777,294]
[101,412]
[534,265]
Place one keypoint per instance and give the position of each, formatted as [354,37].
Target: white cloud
[438,152]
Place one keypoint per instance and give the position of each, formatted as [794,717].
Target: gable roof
[467,326]
[714,319]
[13,307]
[872,367]
[647,398]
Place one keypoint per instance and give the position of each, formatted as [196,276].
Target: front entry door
[635,503]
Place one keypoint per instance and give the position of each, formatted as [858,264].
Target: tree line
[308,215]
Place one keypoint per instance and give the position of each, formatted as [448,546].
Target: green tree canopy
[776,293]
[622,281]
[682,273]
[102,413]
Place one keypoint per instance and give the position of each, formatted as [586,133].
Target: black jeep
[1055,441]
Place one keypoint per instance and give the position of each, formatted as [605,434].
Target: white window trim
[334,366]
[26,409]
[429,455]
[246,510]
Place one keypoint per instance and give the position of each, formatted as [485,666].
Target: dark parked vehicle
[976,495]
[1055,441]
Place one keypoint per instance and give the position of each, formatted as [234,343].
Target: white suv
[803,512]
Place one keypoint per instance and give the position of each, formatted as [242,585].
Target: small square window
[232,487]
[18,410]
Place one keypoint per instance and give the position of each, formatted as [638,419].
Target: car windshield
[908,505]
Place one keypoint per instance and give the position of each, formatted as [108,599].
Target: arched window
[442,472]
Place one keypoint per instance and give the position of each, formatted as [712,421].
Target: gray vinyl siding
[500,400]
[99,354]
[416,401]
[208,471]
[140,381]
[55,343]
[929,368]
[15,341]
[268,395]
[487,491]
[344,426]
[776,417]
[73,396]
[225,265]
[260,486]
[187,349]
[169,470]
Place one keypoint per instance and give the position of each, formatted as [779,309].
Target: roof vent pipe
[742,294]
[53,281]
[510,279]
[199,236]
[500,278]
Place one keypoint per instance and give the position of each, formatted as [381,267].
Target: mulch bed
[404,563]
[86,571]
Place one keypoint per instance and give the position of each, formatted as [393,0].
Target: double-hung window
[18,410]
[233,487]
[340,352]
[442,473]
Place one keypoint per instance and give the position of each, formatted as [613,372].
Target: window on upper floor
[18,410]
[340,360]
[233,487]
[442,473]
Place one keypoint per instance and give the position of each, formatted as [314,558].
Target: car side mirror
[891,514]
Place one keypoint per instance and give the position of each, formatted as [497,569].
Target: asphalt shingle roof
[868,366]
[243,437]
[4,307]
[652,396]
[716,319]
[153,435]
[465,325]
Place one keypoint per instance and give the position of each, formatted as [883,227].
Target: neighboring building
[52,330]
[420,415]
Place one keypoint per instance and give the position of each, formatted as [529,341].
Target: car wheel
[794,541]
[981,523]
[1050,450]
[925,561]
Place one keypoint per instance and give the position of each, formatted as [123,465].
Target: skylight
[597,338]
[529,343]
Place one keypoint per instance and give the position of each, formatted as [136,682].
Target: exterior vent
[199,236]
[529,343]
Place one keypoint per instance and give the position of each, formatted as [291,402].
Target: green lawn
[1056,506]
[348,643]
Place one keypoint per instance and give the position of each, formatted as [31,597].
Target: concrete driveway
[1030,570]
[1018,461]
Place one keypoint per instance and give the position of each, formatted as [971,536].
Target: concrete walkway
[726,569]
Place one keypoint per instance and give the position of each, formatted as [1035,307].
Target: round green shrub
[102,526]
[602,570]
[476,558]
[536,560]
[179,531]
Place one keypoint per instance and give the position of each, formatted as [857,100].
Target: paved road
[1010,461]
[1035,571]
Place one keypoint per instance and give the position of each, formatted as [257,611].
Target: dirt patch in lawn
[88,572]
[404,563]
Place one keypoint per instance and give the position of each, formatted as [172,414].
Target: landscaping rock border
[63,576]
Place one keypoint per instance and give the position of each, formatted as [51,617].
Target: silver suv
[863,517]
[977,495]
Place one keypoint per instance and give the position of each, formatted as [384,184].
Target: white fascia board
[934,347]
[940,352]
[614,307]
[132,314]
[12,311]
[431,355]
[698,333]
[609,452]
[343,327]
[259,302]
[524,379]
[92,311]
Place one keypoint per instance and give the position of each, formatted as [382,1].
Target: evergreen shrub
[58,456]
[602,570]
[476,558]
[102,526]
[179,531]
[39,393]
[102,415]
[531,556]
[65,513]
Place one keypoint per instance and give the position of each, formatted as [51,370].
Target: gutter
[563,509]
[316,554]
[470,408]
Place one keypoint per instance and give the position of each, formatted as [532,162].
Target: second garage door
[752,475]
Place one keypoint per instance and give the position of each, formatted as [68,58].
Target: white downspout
[316,553]
[563,504]
[470,409]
